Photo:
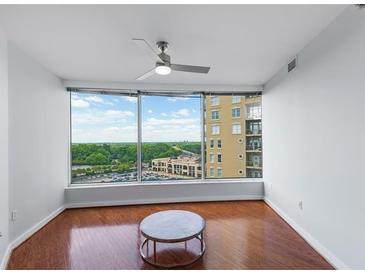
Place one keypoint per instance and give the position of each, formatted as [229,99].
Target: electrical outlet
[14,215]
[300,204]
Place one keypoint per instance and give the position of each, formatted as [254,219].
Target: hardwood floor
[239,235]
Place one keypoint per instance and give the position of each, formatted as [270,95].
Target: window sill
[168,183]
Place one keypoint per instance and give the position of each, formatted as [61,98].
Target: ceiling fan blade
[146,75]
[146,45]
[187,68]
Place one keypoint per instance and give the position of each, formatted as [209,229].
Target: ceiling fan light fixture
[163,70]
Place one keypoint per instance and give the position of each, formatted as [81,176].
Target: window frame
[138,94]
[217,116]
[234,109]
[219,129]
[237,124]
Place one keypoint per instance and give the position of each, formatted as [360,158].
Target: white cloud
[150,111]
[79,103]
[100,117]
[176,99]
[94,99]
[164,114]
[129,99]
[153,130]
[118,114]
[169,122]
[110,134]
[184,112]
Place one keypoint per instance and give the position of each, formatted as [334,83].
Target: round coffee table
[171,226]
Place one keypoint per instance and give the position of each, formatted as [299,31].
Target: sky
[100,118]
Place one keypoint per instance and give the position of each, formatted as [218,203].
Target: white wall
[38,144]
[314,132]
[4,179]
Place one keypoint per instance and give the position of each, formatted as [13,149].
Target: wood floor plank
[239,235]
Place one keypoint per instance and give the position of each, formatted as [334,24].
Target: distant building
[233,136]
[182,165]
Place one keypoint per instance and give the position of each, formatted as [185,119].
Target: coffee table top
[172,225]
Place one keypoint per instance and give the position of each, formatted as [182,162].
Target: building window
[211,143]
[236,99]
[219,172]
[211,158]
[219,158]
[253,127]
[236,112]
[215,129]
[253,111]
[236,129]
[215,115]
[214,101]
[211,172]
[219,143]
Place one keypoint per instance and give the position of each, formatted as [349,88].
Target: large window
[239,131]
[171,138]
[104,138]
[140,136]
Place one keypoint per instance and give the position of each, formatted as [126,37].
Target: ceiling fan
[163,64]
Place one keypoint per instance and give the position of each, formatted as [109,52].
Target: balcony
[256,132]
[253,99]
[253,148]
[254,164]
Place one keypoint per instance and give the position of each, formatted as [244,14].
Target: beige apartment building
[233,136]
[182,165]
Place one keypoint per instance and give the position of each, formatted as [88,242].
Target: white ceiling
[243,44]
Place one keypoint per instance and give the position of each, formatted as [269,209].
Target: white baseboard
[6,258]
[315,244]
[165,200]
[26,235]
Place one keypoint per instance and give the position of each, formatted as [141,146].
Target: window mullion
[139,139]
[202,107]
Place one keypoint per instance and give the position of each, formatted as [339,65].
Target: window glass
[171,138]
[219,172]
[211,158]
[214,100]
[211,172]
[236,112]
[242,156]
[215,129]
[236,129]
[211,143]
[236,99]
[219,143]
[215,114]
[104,138]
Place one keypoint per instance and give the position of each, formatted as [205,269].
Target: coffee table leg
[186,245]
[201,242]
[147,246]
[154,251]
